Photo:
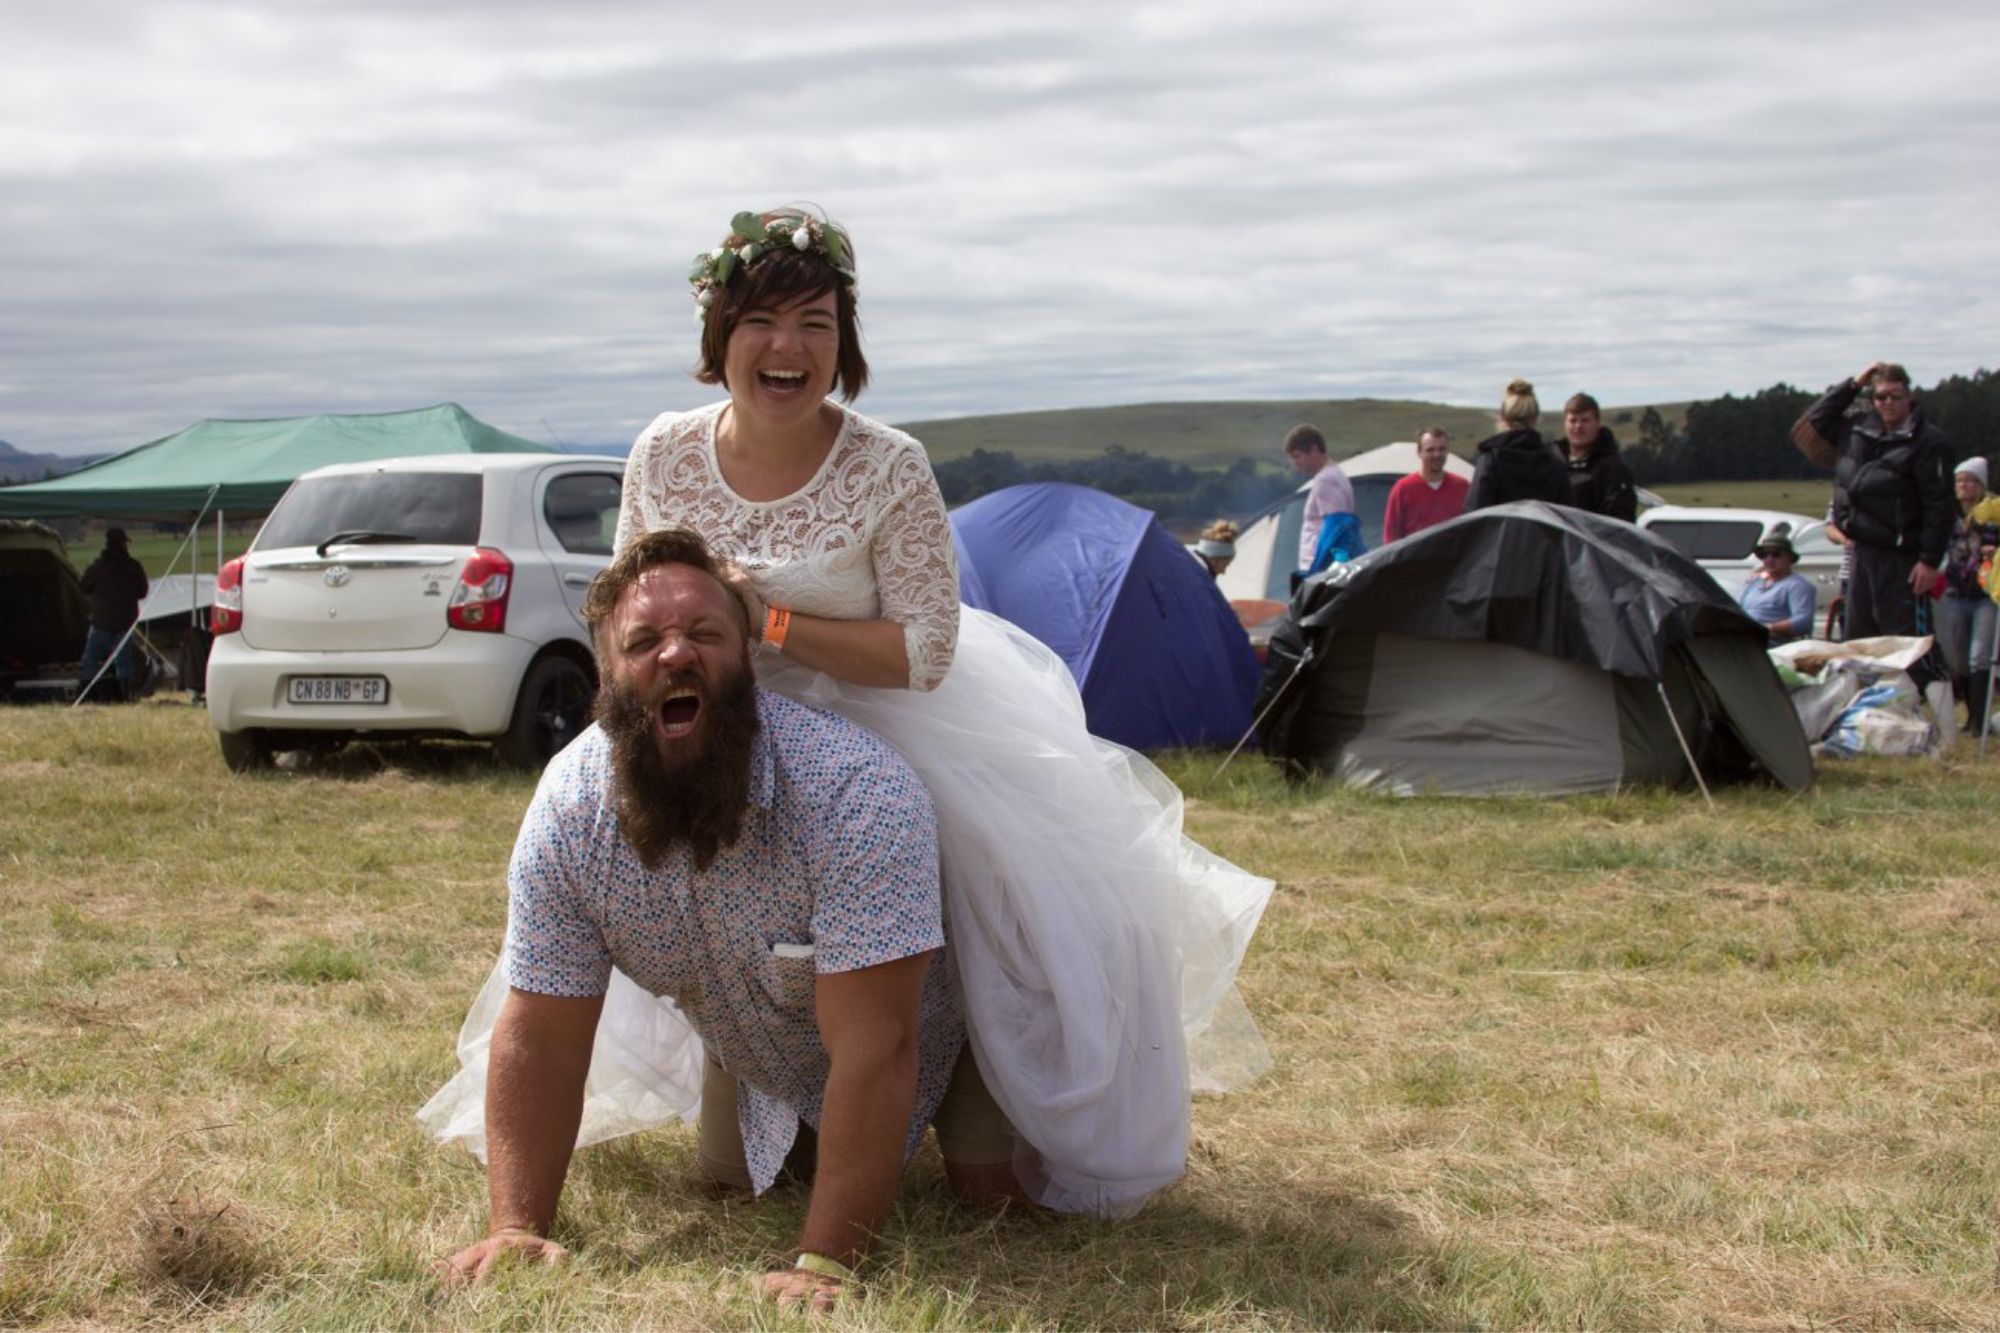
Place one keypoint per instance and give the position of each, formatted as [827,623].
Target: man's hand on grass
[793,1288]
[513,1245]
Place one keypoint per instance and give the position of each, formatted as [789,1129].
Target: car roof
[1725,514]
[477,463]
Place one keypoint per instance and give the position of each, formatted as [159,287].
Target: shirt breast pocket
[789,976]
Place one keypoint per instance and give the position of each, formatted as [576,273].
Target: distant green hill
[1213,435]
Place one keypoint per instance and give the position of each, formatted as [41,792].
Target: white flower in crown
[716,253]
[802,237]
[707,298]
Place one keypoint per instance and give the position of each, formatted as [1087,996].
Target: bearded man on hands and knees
[774,870]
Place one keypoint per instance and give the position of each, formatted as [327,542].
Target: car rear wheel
[245,751]
[549,712]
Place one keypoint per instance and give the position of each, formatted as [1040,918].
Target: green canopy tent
[242,467]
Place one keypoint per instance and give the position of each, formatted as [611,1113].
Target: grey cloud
[365,206]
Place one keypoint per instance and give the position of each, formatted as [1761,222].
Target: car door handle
[576,580]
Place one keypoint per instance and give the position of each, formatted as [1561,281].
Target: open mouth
[679,712]
[782,381]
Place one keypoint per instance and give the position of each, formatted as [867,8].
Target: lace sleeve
[916,573]
[639,464]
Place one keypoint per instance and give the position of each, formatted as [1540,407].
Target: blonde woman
[1216,547]
[1518,464]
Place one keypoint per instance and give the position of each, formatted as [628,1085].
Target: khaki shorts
[971,1128]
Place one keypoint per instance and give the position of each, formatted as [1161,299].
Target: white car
[1724,541]
[436,596]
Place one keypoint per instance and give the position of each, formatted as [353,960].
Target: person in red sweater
[1428,496]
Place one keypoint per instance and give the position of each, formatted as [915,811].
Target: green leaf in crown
[749,226]
[836,249]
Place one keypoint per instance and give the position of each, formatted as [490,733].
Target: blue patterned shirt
[838,852]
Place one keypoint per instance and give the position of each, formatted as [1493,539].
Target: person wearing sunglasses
[1775,597]
[1892,498]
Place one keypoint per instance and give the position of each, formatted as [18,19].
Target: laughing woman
[1097,946]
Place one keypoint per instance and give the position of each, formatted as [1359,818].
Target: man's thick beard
[697,801]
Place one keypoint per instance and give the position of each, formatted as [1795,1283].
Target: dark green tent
[242,467]
[1525,648]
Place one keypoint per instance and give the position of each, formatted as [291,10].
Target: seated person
[1776,598]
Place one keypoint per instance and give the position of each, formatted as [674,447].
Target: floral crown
[751,237]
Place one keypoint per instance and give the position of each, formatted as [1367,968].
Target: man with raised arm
[1892,495]
[774,870]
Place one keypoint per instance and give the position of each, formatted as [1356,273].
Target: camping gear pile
[1857,698]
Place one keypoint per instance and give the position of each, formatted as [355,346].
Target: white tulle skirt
[1097,945]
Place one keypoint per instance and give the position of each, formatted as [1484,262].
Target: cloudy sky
[245,210]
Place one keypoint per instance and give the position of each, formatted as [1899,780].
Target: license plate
[338,690]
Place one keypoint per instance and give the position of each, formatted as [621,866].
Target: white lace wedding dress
[1097,945]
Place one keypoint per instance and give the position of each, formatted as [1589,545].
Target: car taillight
[479,602]
[226,615]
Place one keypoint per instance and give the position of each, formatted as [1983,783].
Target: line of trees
[1749,438]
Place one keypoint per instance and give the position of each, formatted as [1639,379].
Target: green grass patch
[1613,1062]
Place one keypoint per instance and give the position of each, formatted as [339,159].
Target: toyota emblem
[338,575]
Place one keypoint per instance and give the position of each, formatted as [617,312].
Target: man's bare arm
[535,1070]
[868,1023]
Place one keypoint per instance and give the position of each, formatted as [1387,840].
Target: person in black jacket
[115,584]
[1599,481]
[1517,464]
[1892,496]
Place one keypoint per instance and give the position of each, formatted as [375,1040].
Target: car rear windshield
[433,508]
[1710,538]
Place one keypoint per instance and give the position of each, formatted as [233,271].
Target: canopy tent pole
[187,545]
[1675,722]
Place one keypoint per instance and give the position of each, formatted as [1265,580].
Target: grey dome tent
[1525,648]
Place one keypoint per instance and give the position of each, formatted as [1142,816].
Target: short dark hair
[1582,402]
[662,546]
[1302,439]
[1893,374]
[774,280]
[1429,431]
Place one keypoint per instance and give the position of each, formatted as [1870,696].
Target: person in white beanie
[1966,614]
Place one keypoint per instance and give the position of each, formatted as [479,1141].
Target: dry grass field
[1614,1063]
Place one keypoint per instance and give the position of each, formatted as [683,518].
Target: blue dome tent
[1159,656]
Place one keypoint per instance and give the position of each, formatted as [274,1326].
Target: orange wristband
[777,621]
